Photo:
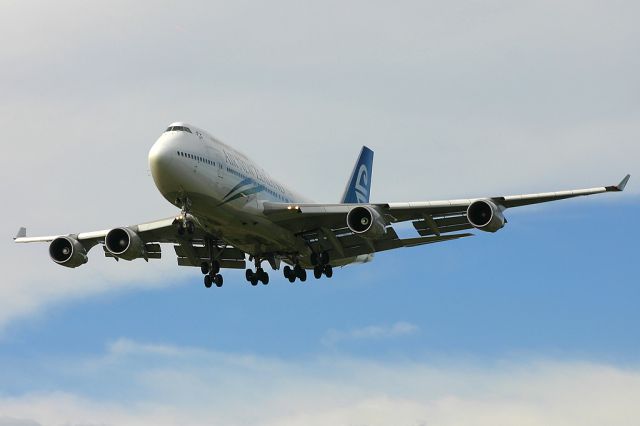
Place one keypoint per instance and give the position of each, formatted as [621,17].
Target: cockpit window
[178,129]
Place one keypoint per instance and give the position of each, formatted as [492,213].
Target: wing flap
[454,228]
[224,264]
[202,253]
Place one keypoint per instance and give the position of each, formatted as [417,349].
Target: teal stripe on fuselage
[243,182]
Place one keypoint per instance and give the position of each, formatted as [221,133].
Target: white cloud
[372,332]
[167,385]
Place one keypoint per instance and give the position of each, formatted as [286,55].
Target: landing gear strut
[211,269]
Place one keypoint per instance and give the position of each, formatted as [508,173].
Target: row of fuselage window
[196,157]
[232,171]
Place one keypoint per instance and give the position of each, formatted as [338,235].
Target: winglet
[619,187]
[22,232]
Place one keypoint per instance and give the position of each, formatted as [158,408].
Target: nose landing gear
[186,225]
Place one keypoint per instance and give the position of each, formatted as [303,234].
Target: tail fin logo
[358,187]
[362,184]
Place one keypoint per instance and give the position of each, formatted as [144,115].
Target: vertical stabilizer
[359,186]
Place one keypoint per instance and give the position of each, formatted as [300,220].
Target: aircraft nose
[162,157]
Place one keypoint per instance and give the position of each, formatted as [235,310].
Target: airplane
[231,210]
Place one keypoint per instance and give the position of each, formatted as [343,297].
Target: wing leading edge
[431,219]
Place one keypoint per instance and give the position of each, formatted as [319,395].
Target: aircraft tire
[191,228]
[249,275]
[302,274]
[218,280]
[204,267]
[207,281]
[317,272]
[328,271]
[287,271]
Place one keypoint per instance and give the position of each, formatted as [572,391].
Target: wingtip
[619,187]
[623,182]
[22,232]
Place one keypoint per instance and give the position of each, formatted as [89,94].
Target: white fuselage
[225,189]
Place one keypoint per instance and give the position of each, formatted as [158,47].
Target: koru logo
[362,183]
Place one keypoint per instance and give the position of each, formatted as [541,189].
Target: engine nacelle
[485,215]
[124,243]
[366,221]
[67,251]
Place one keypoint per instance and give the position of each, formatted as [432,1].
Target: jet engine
[366,221]
[485,215]
[124,243]
[68,251]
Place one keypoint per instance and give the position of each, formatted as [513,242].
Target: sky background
[534,325]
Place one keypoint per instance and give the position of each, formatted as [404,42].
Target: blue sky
[534,325]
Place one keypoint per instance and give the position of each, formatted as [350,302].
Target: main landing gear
[297,272]
[260,275]
[320,262]
[211,274]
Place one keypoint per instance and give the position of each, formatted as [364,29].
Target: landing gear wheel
[215,267]
[249,275]
[204,267]
[292,278]
[287,272]
[218,280]
[324,258]
[317,272]
[180,229]
[254,281]
[328,271]
[207,281]
[302,274]
[191,228]
[262,276]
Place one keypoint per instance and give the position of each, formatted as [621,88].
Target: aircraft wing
[191,249]
[328,222]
